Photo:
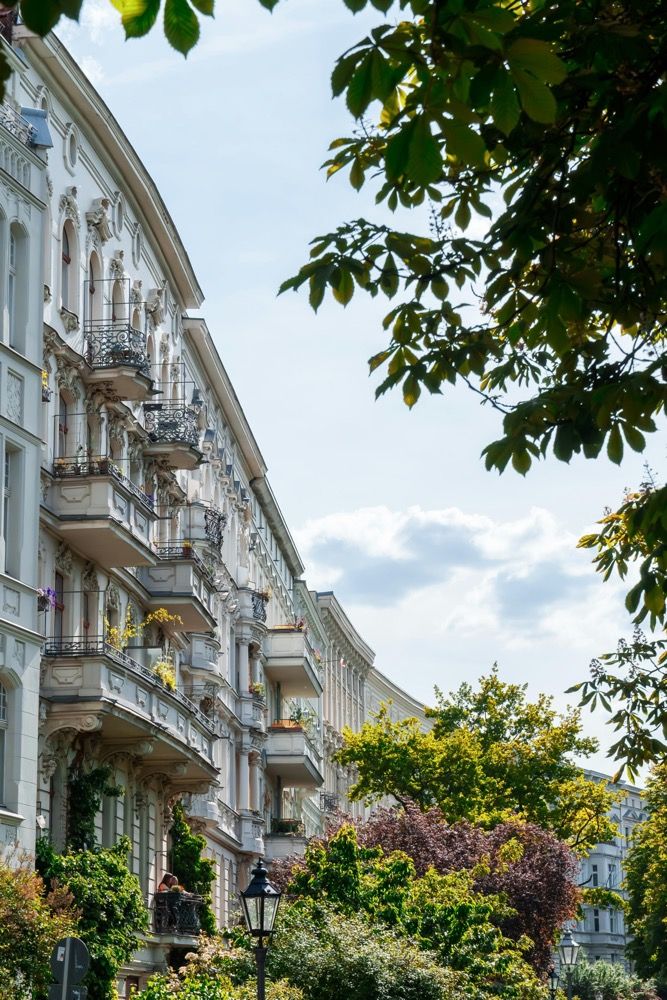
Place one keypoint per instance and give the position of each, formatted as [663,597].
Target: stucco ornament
[98,218]
[68,206]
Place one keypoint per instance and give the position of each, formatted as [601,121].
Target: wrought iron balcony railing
[16,124]
[183,550]
[172,423]
[258,607]
[99,465]
[97,645]
[111,344]
[328,802]
[177,913]
[214,526]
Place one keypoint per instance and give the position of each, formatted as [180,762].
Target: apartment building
[153,618]
[602,931]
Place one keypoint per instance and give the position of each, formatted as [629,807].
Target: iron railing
[177,913]
[258,607]
[294,827]
[100,465]
[179,550]
[16,124]
[111,344]
[172,423]
[214,526]
[329,802]
[96,645]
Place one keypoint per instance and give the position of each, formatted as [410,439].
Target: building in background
[602,931]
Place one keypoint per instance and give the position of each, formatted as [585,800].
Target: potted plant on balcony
[288,826]
[304,718]
[165,671]
[257,690]
[46,598]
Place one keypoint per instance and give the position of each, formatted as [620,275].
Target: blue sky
[443,567]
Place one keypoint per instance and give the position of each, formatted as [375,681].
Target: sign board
[69,963]
[71,992]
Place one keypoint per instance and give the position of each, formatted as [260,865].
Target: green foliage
[443,914]
[214,972]
[646,883]
[110,903]
[85,790]
[32,921]
[330,955]
[603,981]
[193,871]
[490,756]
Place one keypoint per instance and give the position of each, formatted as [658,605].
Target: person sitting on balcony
[169,883]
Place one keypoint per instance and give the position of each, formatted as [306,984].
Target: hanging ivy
[194,872]
[85,790]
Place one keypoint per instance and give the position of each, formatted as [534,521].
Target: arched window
[94,304]
[3,740]
[118,310]
[66,264]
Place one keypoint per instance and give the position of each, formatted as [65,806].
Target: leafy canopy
[490,756]
[646,884]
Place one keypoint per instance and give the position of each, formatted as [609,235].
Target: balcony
[102,514]
[205,523]
[16,125]
[202,658]
[292,756]
[116,353]
[290,662]
[252,833]
[252,712]
[181,583]
[87,681]
[177,913]
[287,839]
[173,432]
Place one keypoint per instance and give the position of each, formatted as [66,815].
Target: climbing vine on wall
[85,790]
[194,872]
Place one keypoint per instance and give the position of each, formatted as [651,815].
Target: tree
[110,904]
[526,866]
[646,883]
[443,913]
[490,756]
[32,921]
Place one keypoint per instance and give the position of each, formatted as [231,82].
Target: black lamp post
[553,983]
[568,952]
[260,906]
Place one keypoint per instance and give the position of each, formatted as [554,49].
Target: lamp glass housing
[568,951]
[260,903]
[553,980]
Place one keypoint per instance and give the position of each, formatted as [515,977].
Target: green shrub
[609,982]
[31,922]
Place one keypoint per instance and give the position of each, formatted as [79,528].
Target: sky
[444,568]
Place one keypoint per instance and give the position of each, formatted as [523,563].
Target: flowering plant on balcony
[119,637]
[46,391]
[46,598]
[265,593]
[317,653]
[165,671]
[257,690]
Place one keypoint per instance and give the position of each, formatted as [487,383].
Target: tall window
[3,738]
[66,262]
[612,921]
[594,870]
[62,426]
[11,510]
[11,287]
[612,877]
[596,920]
[59,609]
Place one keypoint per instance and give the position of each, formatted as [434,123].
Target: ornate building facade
[154,617]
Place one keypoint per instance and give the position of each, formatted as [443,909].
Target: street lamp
[568,952]
[553,983]
[260,905]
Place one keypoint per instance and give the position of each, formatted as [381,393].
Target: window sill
[10,818]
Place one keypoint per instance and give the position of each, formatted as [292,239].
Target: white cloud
[93,70]
[442,594]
